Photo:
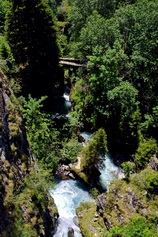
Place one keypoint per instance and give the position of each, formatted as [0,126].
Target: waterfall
[67,102]
[109,171]
[66,96]
[61,106]
[68,194]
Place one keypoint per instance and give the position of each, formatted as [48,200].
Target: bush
[147,180]
[7,61]
[129,168]
[144,152]
[70,150]
[138,227]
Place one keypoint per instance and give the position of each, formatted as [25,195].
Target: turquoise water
[68,194]
[109,171]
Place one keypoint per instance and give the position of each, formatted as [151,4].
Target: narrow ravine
[68,194]
[109,171]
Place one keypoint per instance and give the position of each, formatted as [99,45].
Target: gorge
[68,194]
[84,161]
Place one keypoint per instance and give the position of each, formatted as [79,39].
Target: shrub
[128,167]
[70,150]
[144,152]
[138,227]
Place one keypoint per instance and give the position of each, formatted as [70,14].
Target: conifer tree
[32,37]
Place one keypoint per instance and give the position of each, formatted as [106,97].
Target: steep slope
[26,208]
[128,209]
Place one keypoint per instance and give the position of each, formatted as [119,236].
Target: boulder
[71,232]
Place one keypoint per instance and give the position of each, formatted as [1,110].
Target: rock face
[24,202]
[124,201]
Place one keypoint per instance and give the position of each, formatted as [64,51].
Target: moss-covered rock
[124,202]
[91,224]
[26,209]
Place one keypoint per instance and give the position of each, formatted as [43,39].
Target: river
[68,194]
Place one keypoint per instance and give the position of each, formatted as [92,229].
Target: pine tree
[32,37]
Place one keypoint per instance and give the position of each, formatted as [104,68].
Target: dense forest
[113,92]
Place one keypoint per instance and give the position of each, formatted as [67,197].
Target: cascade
[67,103]
[61,105]
[68,194]
[109,171]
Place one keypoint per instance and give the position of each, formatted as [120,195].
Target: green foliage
[78,94]
[71,127]
[53,5]
[43,137]
[93,152]
[140,44]
[138,227]
[91,35]
[119,92]
[30,194]
[86,213]
[146,180]
[144,152]
[78,15]
[80,12]
[91,93]
[149,126]
[123,100]
[7,62]
[70,150]
[94,192]
[130,208]
[101,141]
[35,47]
[3,9]
[129,168]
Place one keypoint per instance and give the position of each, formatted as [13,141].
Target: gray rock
[101,202]
[75,220]
[71,232]
[154,163]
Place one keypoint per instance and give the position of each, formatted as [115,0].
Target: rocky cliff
[26,209]
[129,205]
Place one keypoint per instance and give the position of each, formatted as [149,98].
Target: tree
[42,136]
[78,15]
[92,35]
[3,8]
[104,67]
[140,44]
[106,8]
[92,154]
[31,34]
[123,100]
